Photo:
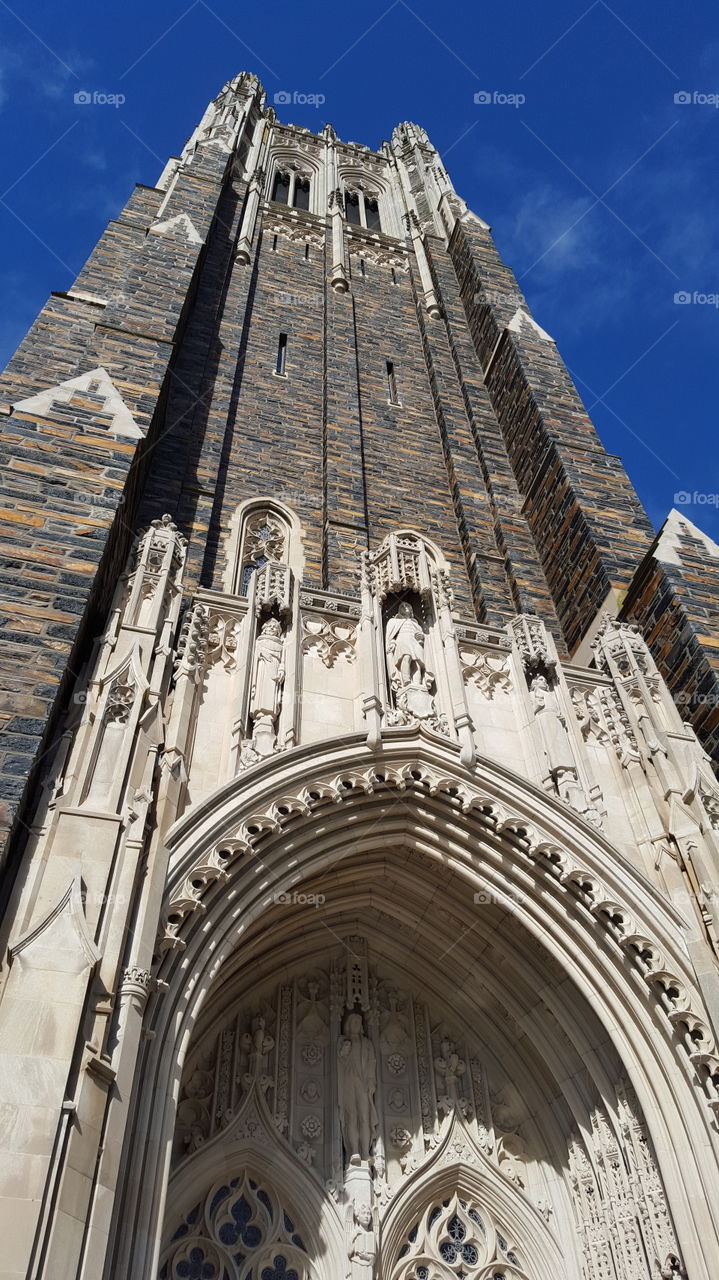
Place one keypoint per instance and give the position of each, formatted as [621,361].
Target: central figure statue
[357,1084]
[405,648]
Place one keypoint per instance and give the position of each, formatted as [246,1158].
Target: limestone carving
[394,1025]
[553,730]
[409,677]
[450,1069]
[488,671]
[357,1083]
[257,1044]
[362,1249]
[405,649]
[313,1017]
[266,692]
[329,638]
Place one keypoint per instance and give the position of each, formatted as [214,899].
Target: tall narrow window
[391,384]
[264,537]
[302,193]
[371,209]
[281,188]
[352,208]
[280,366]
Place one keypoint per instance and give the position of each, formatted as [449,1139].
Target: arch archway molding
[616,937]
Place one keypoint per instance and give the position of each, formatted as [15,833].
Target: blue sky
[601,188]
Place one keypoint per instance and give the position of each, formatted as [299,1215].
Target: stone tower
[361,876]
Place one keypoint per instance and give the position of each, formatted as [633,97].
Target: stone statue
[312,1017]
[395,1037]
[555,738]
[357,1071]
[450,1068]
[257,1044]
[266,693]
[404,643]
[361,1243]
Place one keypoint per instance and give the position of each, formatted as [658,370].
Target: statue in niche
[558,749]
[257,1044]
[552,728]
[361,1242]
[312,1020]
[404,642]
[406,665]
[394,1025]
[450,1069]
[266,693]
[357,1082]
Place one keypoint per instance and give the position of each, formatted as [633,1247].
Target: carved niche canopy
[401,563]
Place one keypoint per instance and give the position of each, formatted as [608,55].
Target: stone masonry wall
[70,486]
[675,604]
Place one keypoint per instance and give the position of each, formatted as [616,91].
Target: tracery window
[292,188]
[264,538]
[454,1241]
[281,188]
[362,208]
[240,1231]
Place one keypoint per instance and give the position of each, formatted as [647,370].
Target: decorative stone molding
[180,225]
[563,865]
[400,564]
[329,638]
[97,382]
[322,602]
[533,642]
[490,672]
[299,227]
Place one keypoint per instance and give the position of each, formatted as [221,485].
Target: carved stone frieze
[488,671]
[330,638]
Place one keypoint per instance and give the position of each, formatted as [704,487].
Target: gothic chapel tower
[361,912]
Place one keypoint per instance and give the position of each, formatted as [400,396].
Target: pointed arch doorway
[513,972]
